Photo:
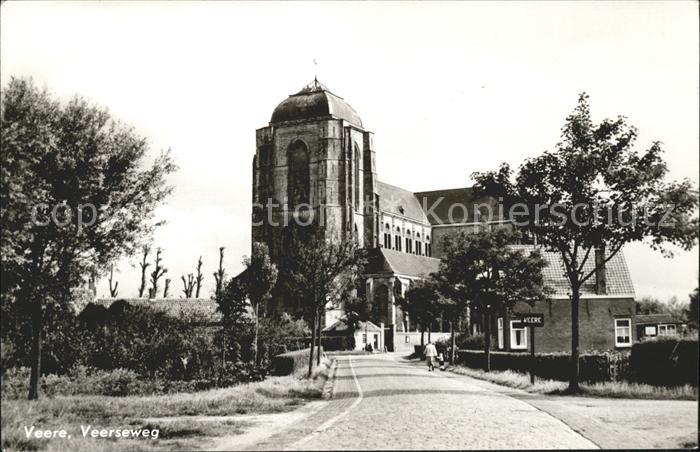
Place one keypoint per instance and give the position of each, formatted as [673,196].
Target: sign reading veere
[532,320]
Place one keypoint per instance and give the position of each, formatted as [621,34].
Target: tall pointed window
[298,174]
[356,178]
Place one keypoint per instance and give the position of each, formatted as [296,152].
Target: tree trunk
[422,338]
[429,335]
[318,350]
[573,381]
[35,373]
[255,336]
[311,347]
[452,342]
[487,340]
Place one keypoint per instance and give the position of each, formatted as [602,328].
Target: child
[441,361]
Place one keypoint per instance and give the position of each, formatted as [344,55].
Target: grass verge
[616,389]
[273,395]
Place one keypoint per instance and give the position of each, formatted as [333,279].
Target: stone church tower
[314,162]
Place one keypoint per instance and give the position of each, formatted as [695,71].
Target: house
[606,310]
[654,325]
[334,337]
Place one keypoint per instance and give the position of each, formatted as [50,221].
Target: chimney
[600,276]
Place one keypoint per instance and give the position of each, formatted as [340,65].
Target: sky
[447,88]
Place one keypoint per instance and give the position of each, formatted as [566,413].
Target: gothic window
[356,178]
[298,180]
[419,248]
[387,236]
[409,242]
[397,239]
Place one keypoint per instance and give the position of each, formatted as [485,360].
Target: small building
[653,325]
[335,336]
[606,310]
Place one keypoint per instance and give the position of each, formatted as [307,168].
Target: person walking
[430,353]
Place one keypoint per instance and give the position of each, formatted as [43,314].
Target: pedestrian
[430,352]
[441,361]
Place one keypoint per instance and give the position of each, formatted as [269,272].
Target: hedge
[553,366]
[665,361]
[335,343]
[290,362]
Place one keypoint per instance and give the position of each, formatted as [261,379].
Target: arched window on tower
[356,178]
[298,174]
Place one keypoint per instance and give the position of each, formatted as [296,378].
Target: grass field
[273,395]
[607,389]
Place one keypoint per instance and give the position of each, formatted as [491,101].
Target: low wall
[405,342]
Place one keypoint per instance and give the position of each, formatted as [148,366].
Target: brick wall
[596,324]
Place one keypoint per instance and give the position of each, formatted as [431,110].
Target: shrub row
[553,366]
[335,343]
[118,382]
[290,362]
[665,361]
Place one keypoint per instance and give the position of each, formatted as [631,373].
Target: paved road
[382,402]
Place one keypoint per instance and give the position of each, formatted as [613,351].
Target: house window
[518,336]
[667,330]
[650,330]
[500,333]
[623,333]
[364,338]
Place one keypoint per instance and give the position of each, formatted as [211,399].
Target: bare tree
[200,277]
[167,287]
[220,273]
[188,285]
[156,274]
[112,288]
[145,250]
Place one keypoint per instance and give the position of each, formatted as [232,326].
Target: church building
[316,153]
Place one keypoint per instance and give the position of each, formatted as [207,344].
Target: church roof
[618,279]
[441,202]
[382,260]
[398,201]
[314,101]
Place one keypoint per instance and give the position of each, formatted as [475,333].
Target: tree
[113,289]
[167,287]
[156,274]
[320,270]
[595,192]
[188,285]
[649,305]
[220,274]
[422,303]
[200,277]
[260,276]
[76,196]
[145,250]
[487,270]
[691,314]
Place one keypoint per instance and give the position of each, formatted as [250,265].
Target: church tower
[314,162]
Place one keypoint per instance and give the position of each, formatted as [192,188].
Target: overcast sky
[447,88]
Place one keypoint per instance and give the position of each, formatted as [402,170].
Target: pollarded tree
[156,274]
[320,270]
[595,192]
[493,275]
[76,196]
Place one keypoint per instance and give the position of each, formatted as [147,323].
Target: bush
[593,367]
[336,343]
[471,342]
[290,362]
[665,361]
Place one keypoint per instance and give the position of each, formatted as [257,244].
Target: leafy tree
[260,277]
[649,305]
[320,270]
[594,191]
[76,196]
[422,302]
[493,275]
